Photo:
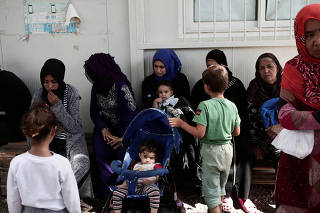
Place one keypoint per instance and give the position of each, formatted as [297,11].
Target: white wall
[128,29]
[104,28]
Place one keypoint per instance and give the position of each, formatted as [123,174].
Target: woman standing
[112,108]
[166,66]
[265,86]
[69,141]
[298,180]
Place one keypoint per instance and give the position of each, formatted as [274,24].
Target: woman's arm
[293,119]
[70,118]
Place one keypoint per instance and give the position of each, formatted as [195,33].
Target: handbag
[298,143]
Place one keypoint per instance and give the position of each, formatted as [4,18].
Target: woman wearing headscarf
[69,141]
[298,180]
[236,93]
[166,66]
[265,86]
[112,108]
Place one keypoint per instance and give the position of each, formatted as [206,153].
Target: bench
[263,172]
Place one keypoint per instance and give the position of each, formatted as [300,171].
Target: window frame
[260,27]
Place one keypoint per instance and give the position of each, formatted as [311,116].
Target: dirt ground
[191,197]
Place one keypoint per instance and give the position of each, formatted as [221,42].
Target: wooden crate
[8,152]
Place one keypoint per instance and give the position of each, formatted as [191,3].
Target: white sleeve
[13,195]
[70,192]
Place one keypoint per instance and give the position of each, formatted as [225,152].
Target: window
[231,20]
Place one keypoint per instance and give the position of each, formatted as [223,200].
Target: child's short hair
[216,76]
[165,83]
[38,122]
[149,145]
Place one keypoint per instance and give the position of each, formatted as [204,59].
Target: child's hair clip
[35,134]
[46,105]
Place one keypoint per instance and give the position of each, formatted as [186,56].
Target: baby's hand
[156,102]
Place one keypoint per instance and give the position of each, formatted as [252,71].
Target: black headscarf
[56,69]
[220,58]
[260,91]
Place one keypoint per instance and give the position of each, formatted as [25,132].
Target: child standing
[40,180]
[217,121]
[148,154]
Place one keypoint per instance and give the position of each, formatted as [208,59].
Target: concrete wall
[104,28]
[130,30]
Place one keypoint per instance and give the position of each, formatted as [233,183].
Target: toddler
[148,154]
[40,180]
[217,121]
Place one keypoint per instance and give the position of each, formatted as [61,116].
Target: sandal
[248,206]
[227,205]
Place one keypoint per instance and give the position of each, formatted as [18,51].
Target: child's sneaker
[227,204]
[248,206]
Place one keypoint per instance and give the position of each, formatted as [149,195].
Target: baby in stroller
[150,124]
[147,185]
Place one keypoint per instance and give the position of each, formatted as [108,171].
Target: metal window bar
[275,19]
[290,31]
[199,17]
[230,20]
[214,20]
[245,22]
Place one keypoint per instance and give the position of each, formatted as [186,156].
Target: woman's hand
[52,98]
[156,102]
[107,136]
[115,143]
[175,122]
[273,131]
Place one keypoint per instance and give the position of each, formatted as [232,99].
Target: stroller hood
[152,124]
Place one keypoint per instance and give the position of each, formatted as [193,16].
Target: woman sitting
[265,86]
[69,141]
[166,66]
[112,108]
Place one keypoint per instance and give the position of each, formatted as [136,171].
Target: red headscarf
[304,84]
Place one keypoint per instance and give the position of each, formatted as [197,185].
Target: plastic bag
[298,143]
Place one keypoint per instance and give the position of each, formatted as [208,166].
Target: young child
[186,163]
[148,154]
[217,121]
[40,180]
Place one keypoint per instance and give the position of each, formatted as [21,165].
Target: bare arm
[198,131]
[236,131]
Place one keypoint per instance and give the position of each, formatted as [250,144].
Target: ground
[193,203]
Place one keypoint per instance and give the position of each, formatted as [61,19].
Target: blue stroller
[148,124]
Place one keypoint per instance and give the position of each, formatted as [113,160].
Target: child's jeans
[216,162]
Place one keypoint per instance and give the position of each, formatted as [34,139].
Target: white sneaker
[227,205]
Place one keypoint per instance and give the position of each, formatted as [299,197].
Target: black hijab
[220,58]
[56,69]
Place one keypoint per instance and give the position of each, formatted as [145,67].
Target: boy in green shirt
[217,121]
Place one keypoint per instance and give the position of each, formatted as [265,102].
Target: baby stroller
[148,124]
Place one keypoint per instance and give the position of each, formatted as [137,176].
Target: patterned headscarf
[220,58]
[104,72]
[260,91]
[171,62]
[308,66]
[56,69]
